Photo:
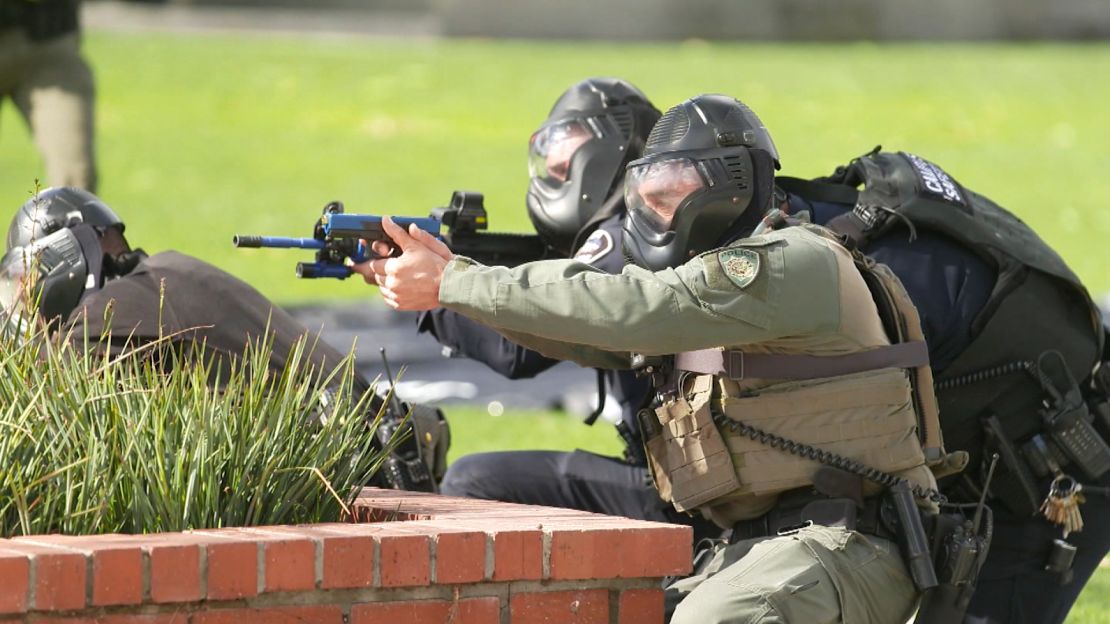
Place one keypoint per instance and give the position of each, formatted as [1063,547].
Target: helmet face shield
[656,190]
[552,147]
[51,273]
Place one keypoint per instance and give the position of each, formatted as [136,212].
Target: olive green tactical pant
[817,575]
[52,87]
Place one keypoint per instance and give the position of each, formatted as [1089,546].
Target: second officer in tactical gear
[779,355]
[1007,322]
[91,282]
[576,202]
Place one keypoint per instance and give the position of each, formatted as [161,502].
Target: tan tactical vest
[867,410]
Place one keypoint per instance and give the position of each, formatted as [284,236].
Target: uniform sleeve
[470,339]
[759,289]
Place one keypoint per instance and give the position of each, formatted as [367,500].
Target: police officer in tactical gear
[993,297]
[43,73]
[90,281]
[575,199]
[777,336]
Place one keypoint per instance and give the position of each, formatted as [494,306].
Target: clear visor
[552,147]
[656,190]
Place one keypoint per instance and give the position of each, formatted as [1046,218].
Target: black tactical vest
[1036,298]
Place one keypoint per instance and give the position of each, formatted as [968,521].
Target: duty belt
[802,508]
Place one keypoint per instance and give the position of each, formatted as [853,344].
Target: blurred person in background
[43,73]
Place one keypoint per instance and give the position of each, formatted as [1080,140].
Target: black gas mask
[706,178]
[576,159]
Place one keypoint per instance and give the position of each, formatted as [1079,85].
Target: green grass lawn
[473,431]
[1093,606]
[202,137]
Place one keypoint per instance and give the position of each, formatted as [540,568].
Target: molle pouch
[1067,419]
[689,461]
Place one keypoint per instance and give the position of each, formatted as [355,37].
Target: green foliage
[203,137]
[93,442]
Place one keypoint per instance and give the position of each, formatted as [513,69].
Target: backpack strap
[856,225]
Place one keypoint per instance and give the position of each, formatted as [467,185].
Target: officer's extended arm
[695,306]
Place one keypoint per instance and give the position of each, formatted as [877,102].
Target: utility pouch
[1068,421]
[688,458]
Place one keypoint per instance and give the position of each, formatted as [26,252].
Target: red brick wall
[413,558]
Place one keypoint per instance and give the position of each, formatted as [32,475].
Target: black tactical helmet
[52,272]
[55,208]
[576,159]
[707,175]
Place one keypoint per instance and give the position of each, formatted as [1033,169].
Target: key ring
[1063,486]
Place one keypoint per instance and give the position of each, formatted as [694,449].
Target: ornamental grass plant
[93,441]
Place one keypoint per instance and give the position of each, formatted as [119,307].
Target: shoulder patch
[597,246]
[740,265]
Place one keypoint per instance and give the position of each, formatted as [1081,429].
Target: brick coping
[414,545]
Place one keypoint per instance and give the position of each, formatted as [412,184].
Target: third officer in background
[765,351]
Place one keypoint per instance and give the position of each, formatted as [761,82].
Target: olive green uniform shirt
[788,294]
